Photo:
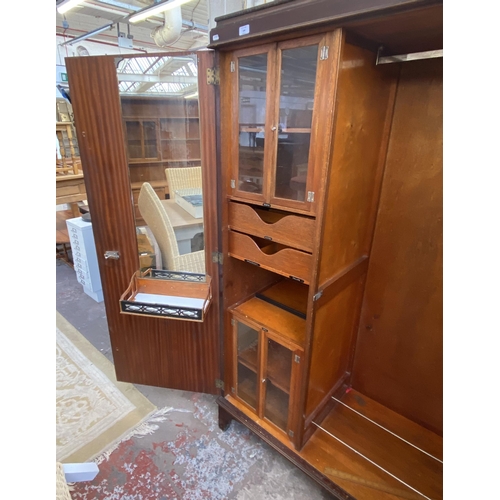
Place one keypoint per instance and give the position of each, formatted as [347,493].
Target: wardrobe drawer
[291,230]
[271,256]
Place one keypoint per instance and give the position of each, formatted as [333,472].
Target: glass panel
[298,80]
[159,98]
[149,134]
[278,376]
[247,343]
[134,143]
[252,117]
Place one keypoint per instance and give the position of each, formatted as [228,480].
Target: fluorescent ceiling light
[193,94]
[88,35]
[67,5]
[156,9]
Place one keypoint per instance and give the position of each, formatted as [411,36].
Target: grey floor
[269,477]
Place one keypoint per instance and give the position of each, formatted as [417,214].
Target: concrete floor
[255,470]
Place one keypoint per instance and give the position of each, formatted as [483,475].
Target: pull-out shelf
[168,294]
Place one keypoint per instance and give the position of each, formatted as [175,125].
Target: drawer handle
[268,238]
[297,279]
[252,262]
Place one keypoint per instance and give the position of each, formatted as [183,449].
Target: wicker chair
[156,218]
[183,178]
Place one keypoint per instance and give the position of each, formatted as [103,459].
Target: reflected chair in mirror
[183,178]
[156,218]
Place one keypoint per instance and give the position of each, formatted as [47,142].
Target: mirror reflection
[160,112]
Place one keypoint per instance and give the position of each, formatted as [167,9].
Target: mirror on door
[160,113]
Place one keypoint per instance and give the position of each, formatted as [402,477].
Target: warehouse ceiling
[91,15]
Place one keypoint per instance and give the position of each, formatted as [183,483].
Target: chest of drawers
[85,257]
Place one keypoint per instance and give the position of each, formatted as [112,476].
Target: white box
[191,200]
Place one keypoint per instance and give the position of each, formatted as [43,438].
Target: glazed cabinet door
[292,174]
[253,82]
[266,371]
[275,87]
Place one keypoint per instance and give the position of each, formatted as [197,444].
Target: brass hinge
[232,67]
[219,384]
[217,257]
[233,322]
[310,196]
[213,76]
[297,358]
[324,53]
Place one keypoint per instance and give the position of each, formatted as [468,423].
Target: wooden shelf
[244,128]
[276,407]
[142,161]
[296,131]
[247,391]
[409,464]
[286,325]
[179,118]
[186,139]
[287,294]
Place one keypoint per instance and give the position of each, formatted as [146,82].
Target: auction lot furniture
[322,204]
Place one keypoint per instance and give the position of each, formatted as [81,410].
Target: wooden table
[184,224]
[70,189]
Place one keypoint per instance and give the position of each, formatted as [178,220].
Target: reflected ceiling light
[67,5]
[155,9]
[189,96]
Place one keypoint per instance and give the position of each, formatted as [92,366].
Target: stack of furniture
[70,184]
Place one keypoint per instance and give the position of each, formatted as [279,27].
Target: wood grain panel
[281,19]
[291,230]
[282,260]
[410,431]
[334,324]
[397,33]
[407,463]
[364,92]
[344,473]
[399,353]
[147,351]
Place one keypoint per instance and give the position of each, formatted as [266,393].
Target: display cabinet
[320,144]
[160,132]
[273,160]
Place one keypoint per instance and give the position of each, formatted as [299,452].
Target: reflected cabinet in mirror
[160,113]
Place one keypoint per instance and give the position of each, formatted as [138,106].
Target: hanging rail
[415,56]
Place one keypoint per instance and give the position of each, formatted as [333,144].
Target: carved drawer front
[271,256]
[290,230]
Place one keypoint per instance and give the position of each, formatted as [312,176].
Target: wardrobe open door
[146,127]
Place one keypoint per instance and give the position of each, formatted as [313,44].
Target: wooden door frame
[150,351]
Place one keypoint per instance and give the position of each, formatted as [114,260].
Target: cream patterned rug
[94,412]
